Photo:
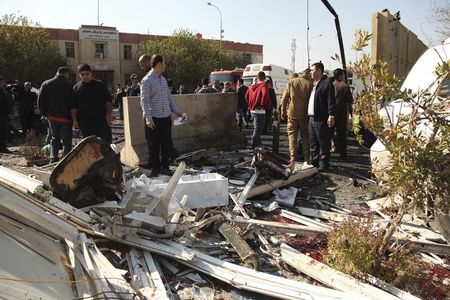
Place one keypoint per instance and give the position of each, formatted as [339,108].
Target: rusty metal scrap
[246,253]
[271,162]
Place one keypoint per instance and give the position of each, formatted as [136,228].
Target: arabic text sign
[98,34]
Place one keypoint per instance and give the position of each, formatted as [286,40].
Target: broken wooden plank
[280,227]
[303,220]
[19,181]
[251,280]
[389,288]
[139,274]
[261,189]
[245,193]
[161,292]
[331,277]
[244,213]
[84,287]
[322,214]
[30,238]
[161,208]
[98,279]
[427,247]
[168,265]
[246,253]
[139,219]
[176,216]
[35,215]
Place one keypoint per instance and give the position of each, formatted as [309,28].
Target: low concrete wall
[211,123]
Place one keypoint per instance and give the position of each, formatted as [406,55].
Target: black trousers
[26,120]
[319,142]
[159,141]
[339,135]
[4,127]
[98,127]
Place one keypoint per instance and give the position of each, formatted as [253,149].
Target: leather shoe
[166,171]
[5,150]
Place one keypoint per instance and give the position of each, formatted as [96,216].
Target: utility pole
[221,30]
[98,12]
[293,48]
[339,34]
[307,32]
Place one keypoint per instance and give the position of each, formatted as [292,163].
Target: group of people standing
[316,106]
[86,106]
[26,99]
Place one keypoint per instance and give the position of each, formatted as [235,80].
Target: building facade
[112,55]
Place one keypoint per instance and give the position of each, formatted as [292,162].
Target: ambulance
[279,75]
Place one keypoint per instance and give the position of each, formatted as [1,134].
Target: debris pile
[179,237]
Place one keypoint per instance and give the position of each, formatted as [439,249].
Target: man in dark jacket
[92,111]
[242,105]
[27,101]
[55,102]
[344,101]
[321,114]
[5,115]
[258,100]
[134,89]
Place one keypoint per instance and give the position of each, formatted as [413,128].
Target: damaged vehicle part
[89,174]
[271,162]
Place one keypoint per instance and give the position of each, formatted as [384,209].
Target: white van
[280,76]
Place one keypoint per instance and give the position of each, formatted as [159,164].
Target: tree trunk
[390,230]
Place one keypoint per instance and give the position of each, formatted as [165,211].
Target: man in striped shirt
[157,106]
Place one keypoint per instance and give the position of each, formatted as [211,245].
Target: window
[127,52]
[70,49]
[100,51]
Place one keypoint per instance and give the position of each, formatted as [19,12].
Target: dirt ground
[347,183]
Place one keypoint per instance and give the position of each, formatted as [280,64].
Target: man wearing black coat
[242,105]
[55,102]
[27,101]
[321,115]
[5,115]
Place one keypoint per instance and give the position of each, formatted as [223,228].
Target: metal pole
[307,32]
[221,30]
[339,34]
[98,12]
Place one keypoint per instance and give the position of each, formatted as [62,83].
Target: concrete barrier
[211,123]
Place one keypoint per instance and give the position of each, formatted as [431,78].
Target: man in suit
[294,108]
[321,115]
[344,102]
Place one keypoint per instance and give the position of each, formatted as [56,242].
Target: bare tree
[441,19]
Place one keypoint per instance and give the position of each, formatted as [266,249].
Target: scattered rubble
[220,225]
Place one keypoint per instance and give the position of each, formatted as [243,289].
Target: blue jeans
[60,131]
[258,126]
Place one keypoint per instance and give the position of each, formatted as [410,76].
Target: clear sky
[271,23]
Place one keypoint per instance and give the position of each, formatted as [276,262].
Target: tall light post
[309,47]
[221,30]
[98,12]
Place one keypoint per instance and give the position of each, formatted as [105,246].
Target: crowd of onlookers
[315,107]
[17,100]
